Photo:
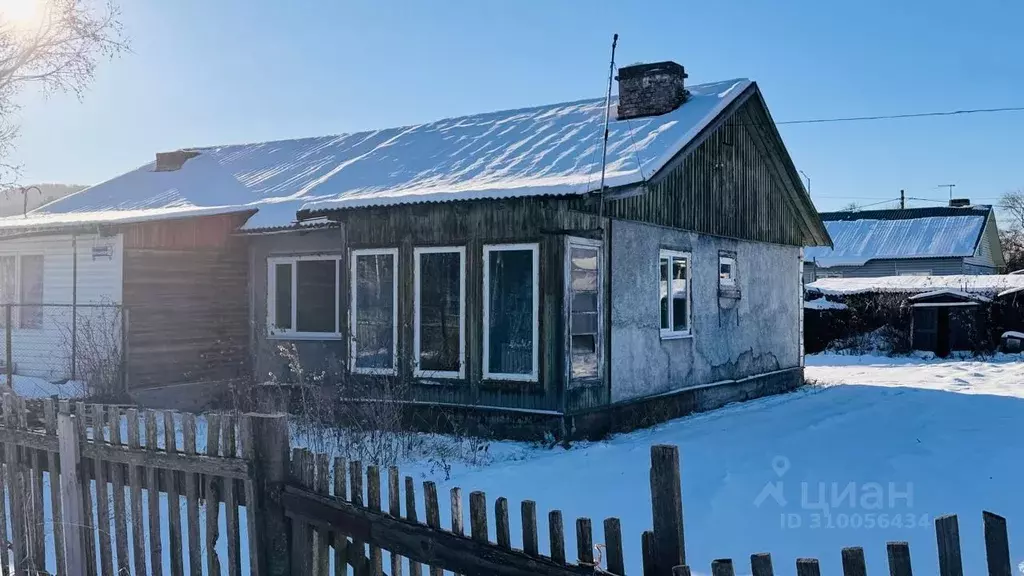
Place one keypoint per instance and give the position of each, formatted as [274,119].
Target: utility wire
[900,116]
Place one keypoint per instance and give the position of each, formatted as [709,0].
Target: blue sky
[204,72]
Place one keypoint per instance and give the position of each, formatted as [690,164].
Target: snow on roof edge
[59,221]
[987,284]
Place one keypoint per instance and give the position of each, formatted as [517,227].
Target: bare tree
[56,48]
[851,207]
[1012,204]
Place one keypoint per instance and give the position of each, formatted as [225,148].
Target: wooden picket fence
[307,513]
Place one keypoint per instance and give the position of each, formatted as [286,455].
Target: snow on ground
[32,387]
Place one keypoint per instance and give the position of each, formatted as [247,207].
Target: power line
[901,116]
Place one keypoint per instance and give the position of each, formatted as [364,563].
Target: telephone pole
[903,200]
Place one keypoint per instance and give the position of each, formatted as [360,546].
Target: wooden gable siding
[727,186]
[472,225]
[188,314]
[183,233]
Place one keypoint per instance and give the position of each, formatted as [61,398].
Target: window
[440,305]
[511,315]
[583,290]
[914,273]
[31,292]
[675,294]
[303,295]
[374,311]
[8,279]
[727,271]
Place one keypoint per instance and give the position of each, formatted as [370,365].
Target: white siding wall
[44,352]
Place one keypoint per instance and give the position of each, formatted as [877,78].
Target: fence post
[71,495]
[9,358]
[270,465]
[124,349]
[667,509]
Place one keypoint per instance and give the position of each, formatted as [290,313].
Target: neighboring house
[472,261]
[958,239]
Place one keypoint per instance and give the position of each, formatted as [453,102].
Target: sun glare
[21,13]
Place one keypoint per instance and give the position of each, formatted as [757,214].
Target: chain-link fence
[63,349]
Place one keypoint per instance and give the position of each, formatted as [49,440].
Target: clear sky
[225,71]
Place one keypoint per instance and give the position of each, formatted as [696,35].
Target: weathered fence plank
[647,547]
[807,567]
[853,562]
[373,502]
[135,473]
[584,542]
[19,546]
[899,559]
[156,545]
[680,571]
[103,512]
[947,535]
[302,557]
[340,540]
[357,548]
[478,516]
[761,565]
[86,480]
[433,514]
[997,545]
[5,544]
[50,422]
[667,508]
[503,535]
[322,537]
[722,567]
[528,510]
[231,499]
[395,509]
[195,546]
[71,493]
[557,536]
[410,514]
[248,440]
[212,493]
[173,499]
[614,560]
[120,519]
[458,526]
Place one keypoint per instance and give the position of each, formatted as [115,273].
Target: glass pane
[317,297]
[375,311]
[440,294]
[725,270]
[664,293]
[583,268]
[584,356]
[510,308]
[31,291]
[679,294]
[584,323]
[283,296]
[584,302]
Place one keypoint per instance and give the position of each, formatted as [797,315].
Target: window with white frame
[511,311]
[674,287]
[727,271]
[303,296]
[374,311]
[439,317]
[30,288]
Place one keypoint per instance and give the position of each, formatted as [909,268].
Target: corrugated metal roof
[859,237]
[547,150]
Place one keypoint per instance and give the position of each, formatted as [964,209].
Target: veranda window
[374,311]
[303,296]
[511,314]
[674,288]
[440,301]
[30,314]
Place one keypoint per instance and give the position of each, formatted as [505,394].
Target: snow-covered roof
[948,292]
[986,284]
[823,304]
[859,237]
[547,150]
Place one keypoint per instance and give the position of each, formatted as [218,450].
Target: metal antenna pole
[950,186]
[607,119]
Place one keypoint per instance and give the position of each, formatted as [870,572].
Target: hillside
[11,201]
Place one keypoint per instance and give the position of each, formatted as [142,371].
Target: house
[478,263]
[957,239]
[940,314]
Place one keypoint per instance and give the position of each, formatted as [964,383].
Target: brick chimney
[171,161]
[959,202]
[650,89]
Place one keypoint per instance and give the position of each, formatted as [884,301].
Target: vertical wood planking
[853,562]
[124,563]
[503,535]
[615,560]
[373,503]
[71,492]
[340,540]
[103,513]
[302,560]
[38,515]
[86,481]
[899,558]
[722,567]
[761,565]
[395,509]
[195,547]
[528,510]
[16,488]
[997,545]
[50,421]
[667,507]
[947,535]
[647,553]
[557,537]
[135,474]
[248,440]
[357,549]
[478,516]
[458,525]
[230,450]
[410,514]
[807,567]
[211,488]
[5,543]
[173,499]
[156,545]
[323,551]
[584,542]
[680,571]
[434,514]
[26,483]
